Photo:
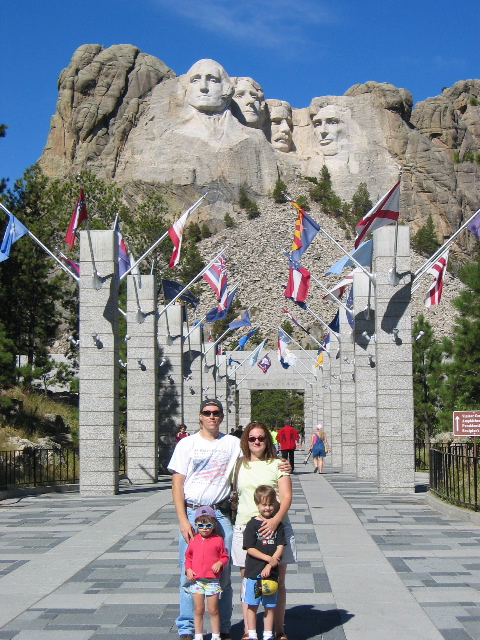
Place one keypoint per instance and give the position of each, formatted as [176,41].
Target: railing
[422,460]
[454,474]
[43,467]
[38,467]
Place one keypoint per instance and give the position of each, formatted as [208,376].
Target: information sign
[466,423]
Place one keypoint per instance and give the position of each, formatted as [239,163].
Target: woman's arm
[285,495]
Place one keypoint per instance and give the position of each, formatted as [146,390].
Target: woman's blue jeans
[184,621]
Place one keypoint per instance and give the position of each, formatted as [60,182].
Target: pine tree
[427,379]
[278,191]
[425,241]
[461,389]
[361,203]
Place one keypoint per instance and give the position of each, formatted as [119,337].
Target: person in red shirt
[182,433]
[205,557]
[287,439]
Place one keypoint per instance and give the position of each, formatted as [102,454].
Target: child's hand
[218,566]
[273,562]
[266,571]
[191,575]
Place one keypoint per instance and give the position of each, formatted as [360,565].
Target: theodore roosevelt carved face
[208,87]
[280,115]
[328,125]
[248,102]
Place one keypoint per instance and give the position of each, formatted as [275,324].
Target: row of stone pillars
[363,397]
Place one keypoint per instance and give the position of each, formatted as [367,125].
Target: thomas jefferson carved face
[248,102]
[208,87]
[328,125]
[280,124]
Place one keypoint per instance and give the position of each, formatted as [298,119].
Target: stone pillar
[244,410]
[222,391]
[365,378]
[192,377]
[326,389]
[396,460]
[142,376]
[335,435]
[170,407]
[347,393]
[98,377]
[209,374]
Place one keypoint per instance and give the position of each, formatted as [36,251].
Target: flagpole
[194,206]
[195,326]
[217,341]
[249,371]
[419,273]
[337,335]
[371,276]
[298,344]
[199,275]
[40,244]
[236,368]
[337,300]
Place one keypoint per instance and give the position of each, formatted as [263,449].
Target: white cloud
[263,23]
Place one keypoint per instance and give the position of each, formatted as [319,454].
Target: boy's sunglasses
[259,438]
[215,414]
[204,525]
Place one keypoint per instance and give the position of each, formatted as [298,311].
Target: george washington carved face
[208,87]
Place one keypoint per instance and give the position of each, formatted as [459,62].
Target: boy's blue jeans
[184,621]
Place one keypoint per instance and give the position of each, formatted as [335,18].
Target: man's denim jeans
[184,621]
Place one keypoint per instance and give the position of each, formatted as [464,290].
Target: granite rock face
[127,116]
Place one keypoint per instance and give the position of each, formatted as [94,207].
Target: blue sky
[295,50]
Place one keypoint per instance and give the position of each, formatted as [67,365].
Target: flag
[220,311]
[73,266]
[363,255]
[13,231]
[349,305]
[285,357]
[171,289]
[255,355]
[434,294]
[305,231]
[298,282]
[474,226]
[216,276]
[242,320]
[324,347]
[319,357]
[176,234]
[265,363]
[336,293]
[231,361]
[123,259]
[385,211]
[78,216]
[335,323]
[294,320]
[242,341]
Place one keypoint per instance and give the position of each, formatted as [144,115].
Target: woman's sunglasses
[215,414]
[259,438]
[204,525]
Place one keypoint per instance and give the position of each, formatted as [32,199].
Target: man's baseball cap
[204,511]
[215,403]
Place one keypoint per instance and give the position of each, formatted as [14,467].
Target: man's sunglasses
[204,525]
[259,438]
[215,414]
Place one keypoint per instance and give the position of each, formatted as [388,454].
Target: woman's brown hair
[270,453]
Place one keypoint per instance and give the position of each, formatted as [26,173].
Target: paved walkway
[371,566]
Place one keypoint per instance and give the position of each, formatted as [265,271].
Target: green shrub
[456,157]
[252,210]
[243,197]
[469,156]
[302,202]
[206,233]
[474,101]
[229,221]
[278,192]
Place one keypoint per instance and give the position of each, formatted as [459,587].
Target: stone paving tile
[418,543]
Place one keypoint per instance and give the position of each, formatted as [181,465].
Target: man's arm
[178,481]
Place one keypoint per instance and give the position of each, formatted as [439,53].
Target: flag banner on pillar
[349,304]
[232,361]
[216,276]
[72,265]
[294,320]
[242,320]
[474,226]
[298,281]
[176,235]
[285,357]
[384,212]
[255,355]
[336,293]
[305,231]
[242,341]
[171,289]
[220,311]
[13,231]
[123,258]
[335,323]
[265,363]
[434,294]
[319,357]
[78,216]
[363,255]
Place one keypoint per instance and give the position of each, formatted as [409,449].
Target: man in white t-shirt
[201,466]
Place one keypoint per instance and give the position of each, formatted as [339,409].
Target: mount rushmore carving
[127,116]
